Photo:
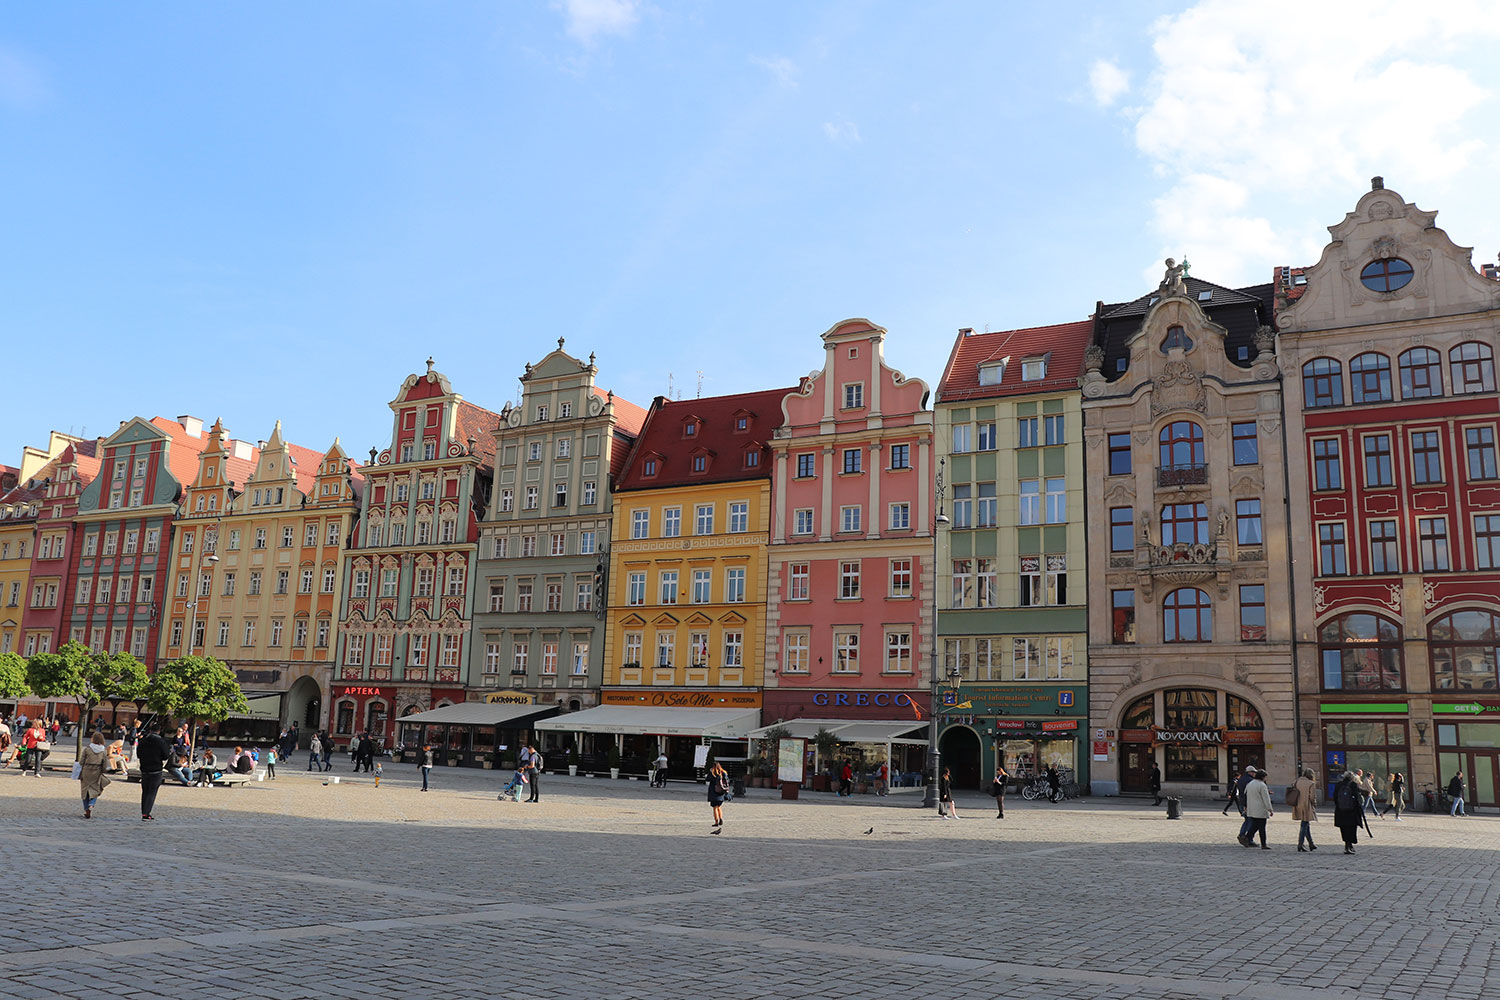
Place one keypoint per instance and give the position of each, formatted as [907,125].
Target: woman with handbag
[37,747]
[97,757]
[997,788]
[718,790]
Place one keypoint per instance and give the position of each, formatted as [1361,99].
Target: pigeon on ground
[716,831]
[869,831]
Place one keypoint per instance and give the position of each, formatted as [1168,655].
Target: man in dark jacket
[1456,794]
[1156,784]
[153,752]
[1239,800]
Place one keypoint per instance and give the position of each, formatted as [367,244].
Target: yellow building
[255,572]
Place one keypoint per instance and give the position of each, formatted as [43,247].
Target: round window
[1386,275]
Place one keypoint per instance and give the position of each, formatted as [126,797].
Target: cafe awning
[261,706]
[725,723]
[801,729]
[479,713]
[845,731]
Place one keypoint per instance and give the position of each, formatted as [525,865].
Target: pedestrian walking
[426,764]
[517,779]
[659,779]
[946,807]
[95,759]
[315,754]
[152,750]
[1054,784]
[1300,797]
[718,791]
[1348,808]
[1155,783]
[1367,791]
[1456,793]
[271,763]
[534,774]
[366,754]
[1397,783]
[327,750]
[132,736]
[883,778]
[1239,799]
[997,789]
[1257,810]
[846,780]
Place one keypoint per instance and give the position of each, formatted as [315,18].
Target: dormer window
[690,428]
[700,463]
[1034,370]
[991,374]
[648,468]
[752,458]
[854,395]
[1177,339]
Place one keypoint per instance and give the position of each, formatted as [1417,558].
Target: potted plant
[489,762]
[612,760]
[573,761]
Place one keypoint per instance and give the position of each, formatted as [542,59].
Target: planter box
[488,765]
[572,770]
[452,761]
[820,782]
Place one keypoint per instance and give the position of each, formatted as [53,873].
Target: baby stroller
[513,789]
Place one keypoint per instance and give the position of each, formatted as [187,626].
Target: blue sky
[278,211]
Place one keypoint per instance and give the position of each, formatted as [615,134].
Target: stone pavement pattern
[294,889]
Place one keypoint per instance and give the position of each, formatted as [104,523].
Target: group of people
[529,764]
[30,744]
[880,778]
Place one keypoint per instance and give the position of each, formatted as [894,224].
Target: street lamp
[193,604]
[929,795]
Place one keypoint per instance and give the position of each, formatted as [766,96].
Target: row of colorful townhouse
[1105,546]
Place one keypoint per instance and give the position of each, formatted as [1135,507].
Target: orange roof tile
[663,436]
[1063,343]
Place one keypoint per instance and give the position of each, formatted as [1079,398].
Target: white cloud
[1108,82]
[780,67]
[1250,120]
[589,19]
[845,131]
[22,84]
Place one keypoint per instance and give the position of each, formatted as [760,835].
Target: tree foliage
[60,674]
[13,686]
[195,687]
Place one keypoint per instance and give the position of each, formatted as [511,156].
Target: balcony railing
[1182,475]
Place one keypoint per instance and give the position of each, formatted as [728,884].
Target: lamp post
[193,604]
[929,795]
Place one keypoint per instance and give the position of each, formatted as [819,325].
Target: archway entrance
[304,706]
[959,747]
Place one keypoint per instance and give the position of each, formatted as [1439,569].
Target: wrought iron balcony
[1182,475]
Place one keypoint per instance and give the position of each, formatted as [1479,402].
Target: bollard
[1174,807]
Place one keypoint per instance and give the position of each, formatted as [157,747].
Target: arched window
[1176,339]
[1242,714]
[1421,373]
[1370,378]
[1361,652]
[1322,383]
[1141,713]
[1187,616]
[375,715]
[1471,366]
[343,716]
[1181,445]
[1464,647]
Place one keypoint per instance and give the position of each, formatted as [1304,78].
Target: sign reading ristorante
[682,699]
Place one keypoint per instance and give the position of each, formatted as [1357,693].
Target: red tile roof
[477,422]
[663,437]
[628,417]
[1063,344]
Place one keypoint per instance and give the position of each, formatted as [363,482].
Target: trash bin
[1174,807]
[737,786]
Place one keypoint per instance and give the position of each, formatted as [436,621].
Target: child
[377,774]
[271,763]
[514,788]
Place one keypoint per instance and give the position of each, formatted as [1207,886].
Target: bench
[227,779]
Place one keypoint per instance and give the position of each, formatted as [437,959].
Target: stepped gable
[716,436]
[1062,344]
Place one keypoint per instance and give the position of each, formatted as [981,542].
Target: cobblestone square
[294,888]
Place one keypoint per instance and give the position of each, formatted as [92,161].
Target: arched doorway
[959,747]
[304,706]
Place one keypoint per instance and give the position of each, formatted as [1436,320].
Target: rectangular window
[323,633]
[260,538]
[797,581]
[277,625]
[703,519]
[900,577]
[853,460]
[1432,538]
[963,506]
[389,580]
[250,635]
[1119,454]
[986,595]
[987,509]
[960,438]
[532,497]
[807,465]
[559,545]
[1385,552]
[507,501]
[1031,582]
[549,658]
[668,588]
[739,516]
[229,584]
[1480,443]
[418,657]
[635,589]
[1331,550]
[111,539]
[1026,432]
[900,456]
[987,436]
[897,652]
[845,652]
[288,535]
[455,581]
[963,583]
[640,523]
[450,650]
[1052,428]
[734,650]
[1246,444]
[1328,470]
[330,578]
[1252,612]
[560,495]
[671,522]
[1377,448]
[299,633]
[131,538]
[361,583]
[1121,529]
[702,584]
[1057,501]
[1031,501]
[1059,662]
[1122,616]
[794,659]
[282,578]
[1426,457]
[666,649]
[631,649]
[528,546]
[523,595]
[854,395]
[583,595]
[580,659]
[1247,522]
[900,516]
[590,492]
[553,596]
[802,521]
[585,543]
[849,518]
[305,582]
[1487,541]
[849,580]
[1025,659]
[698,649]
[310,536]
[734,586]
[491,658]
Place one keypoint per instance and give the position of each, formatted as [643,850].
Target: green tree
[87,677]
[194,688]
[52,676]
[112,675]
[13,677]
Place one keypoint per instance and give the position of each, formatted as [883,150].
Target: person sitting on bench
[241,762]
[208,768]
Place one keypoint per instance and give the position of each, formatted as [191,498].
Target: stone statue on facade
[1174,281]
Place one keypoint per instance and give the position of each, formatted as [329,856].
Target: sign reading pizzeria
[1162,736]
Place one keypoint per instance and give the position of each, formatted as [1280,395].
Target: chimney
[191,426]
[240,449]
[966,331]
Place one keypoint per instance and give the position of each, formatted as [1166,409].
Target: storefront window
[1191,708]
[375,719]
[1361,652]
[1378,747]
[1192,763]
[345,716]
[1465,647]
[1141,713]
[1242,714]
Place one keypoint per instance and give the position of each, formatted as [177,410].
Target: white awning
[726,723]
[476,713]
[845,731]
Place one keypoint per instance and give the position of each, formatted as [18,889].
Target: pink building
[849,621]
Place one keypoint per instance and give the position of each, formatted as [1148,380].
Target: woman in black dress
[718,789]
[997,788]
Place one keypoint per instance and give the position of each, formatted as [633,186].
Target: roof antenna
[670,383]
[700,383]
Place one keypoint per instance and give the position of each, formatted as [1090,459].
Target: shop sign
[508,698]
[1030,729]
[257,676]
[360,692]
[1363,708]
[1187,737]
[1245,737]
[683,699]
[1466,708]
[1059,725]
[1101,749]
[861,699]
[1024,699]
